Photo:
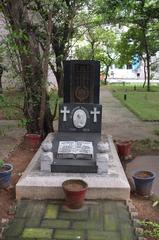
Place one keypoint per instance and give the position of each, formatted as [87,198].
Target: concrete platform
[109,183]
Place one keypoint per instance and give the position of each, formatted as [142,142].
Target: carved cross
[95,113]
[64,111]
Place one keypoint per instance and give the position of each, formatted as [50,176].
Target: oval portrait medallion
[79,118]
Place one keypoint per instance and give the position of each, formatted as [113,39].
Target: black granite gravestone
[74,146]
[81,81]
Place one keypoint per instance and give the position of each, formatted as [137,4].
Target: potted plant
[5,174]
[124,149]
[143,182]
[75,190]
[32,140]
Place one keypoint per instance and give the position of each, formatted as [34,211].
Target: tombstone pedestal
[109,182]
[80,165]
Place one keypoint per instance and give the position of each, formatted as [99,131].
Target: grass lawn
[11,105]
[144,104]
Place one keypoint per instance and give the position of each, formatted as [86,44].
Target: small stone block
[22,209]
[111,222]
[139,231]
[136,222]
[124,215]
[95,214]
[85,225]
[46,160]
[132,209]
[41,233]
[51,211]
[32,222]
[127,232]
[69,234]
[134,214]
[95,235]
[103,147]
[74,215]
[109,207]
[38,209]
[55,223]
[47,146]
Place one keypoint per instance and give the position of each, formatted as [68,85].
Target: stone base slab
[109,183]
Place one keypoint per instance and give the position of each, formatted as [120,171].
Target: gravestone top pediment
[81,81]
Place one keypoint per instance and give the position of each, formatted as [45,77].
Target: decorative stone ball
[47,147]
[102,147]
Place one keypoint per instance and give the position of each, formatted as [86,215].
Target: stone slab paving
[96,220]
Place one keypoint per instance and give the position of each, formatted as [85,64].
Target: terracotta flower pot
[124,149]
[75,190]
[32,140]
[143,182]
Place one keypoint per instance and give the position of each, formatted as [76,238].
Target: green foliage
[53,100]
[145,145]
[156,131]
[1,163]
[100,45]
[11,104]
[142,21]
[151,229]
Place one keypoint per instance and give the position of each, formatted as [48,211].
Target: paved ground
[98,220]
[119,122]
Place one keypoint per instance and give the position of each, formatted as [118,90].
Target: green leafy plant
[151,229]
[156,131]
[1,163]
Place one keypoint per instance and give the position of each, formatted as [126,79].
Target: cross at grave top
[64,111]
[95,113]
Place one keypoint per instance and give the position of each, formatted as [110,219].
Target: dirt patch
[20,158]
[145,209]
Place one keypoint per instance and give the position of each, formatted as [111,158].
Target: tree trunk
[32,72]
[145,75]
[1,89]
[148,71]
[44,104]
[106,74]
[59,76]
[92,50]
[147,58]
[1,73]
